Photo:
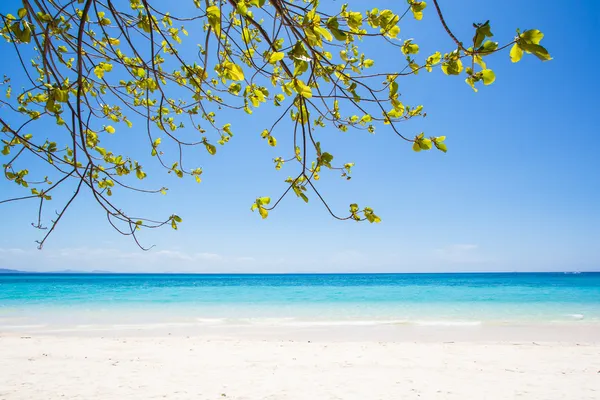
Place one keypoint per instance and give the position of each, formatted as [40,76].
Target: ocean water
[86,300]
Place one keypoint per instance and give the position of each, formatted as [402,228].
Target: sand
[198,367]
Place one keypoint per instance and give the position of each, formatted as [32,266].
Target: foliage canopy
[92,67]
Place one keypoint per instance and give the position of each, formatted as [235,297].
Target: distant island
[66,271]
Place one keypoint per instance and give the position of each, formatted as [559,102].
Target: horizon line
[95,272]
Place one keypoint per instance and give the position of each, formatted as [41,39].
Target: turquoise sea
[46,300]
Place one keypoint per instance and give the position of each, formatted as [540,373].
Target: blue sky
[517,191]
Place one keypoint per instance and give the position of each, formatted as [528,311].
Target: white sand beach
[164,366]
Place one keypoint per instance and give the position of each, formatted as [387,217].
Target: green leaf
[479,61]
[62,96]
[532,36]
[276,56]
[333,26]
[278,99]
[101,68]
[212,150]
[233,71]
[242,8]
[417,8]
[370,215]
[537,50]
[302,89]
[425,144]
[452,67]
[140,174]
[139,72]
[324,32]
[409,47]
[516,53]
[326,159]
[489,47]
[263,212]
[22,12]
[393,32]
[471,82]
[354,20]
[366,119]
[263,201]
[26,35]
[488,76]
[214,18]
[482,31]
[432,60]
[439,143]
[393,89]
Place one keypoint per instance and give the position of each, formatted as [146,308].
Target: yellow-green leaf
[425,144]
[417,8]
[214,18]
[516,53]
[276,56]
[263,212]
[537,50]
[532,36]
[324,32]
[212,150]
[234,71]
[488,76]
[302,89]
[263,200]
[409,47]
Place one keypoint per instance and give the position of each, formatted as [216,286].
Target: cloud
[447,258]
[111,259]
[348,257]
[460,254]
[245,259]
[11,251]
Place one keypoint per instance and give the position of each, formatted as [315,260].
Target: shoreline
[576,332]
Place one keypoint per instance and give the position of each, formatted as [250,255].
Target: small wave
[346,323]
[576,316]
[447,323]
[268,321]
[210,321]
[300,323]
[22,326]
[118,327]
[153,325]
